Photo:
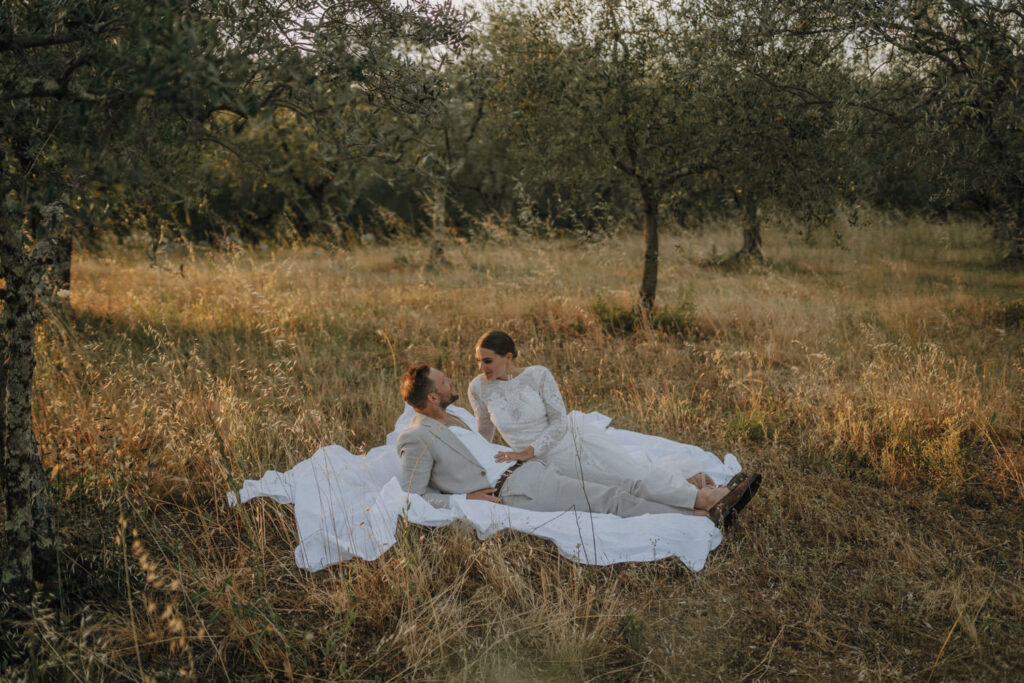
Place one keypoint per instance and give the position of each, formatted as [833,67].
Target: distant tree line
[573,116]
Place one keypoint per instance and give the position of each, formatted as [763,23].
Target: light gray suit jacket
[435,464]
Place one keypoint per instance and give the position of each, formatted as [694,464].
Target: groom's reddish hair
[416,384]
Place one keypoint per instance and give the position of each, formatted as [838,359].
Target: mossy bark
[30,556]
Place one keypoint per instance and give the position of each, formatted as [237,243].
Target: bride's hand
[513,456]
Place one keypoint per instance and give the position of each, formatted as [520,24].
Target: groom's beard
[450,400]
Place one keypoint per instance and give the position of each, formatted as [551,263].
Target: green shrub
[749,427]
[617,318]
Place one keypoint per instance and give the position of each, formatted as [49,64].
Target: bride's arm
[554,409]
[484,425]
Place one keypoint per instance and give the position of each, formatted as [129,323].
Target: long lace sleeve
[554,409]
[484,424]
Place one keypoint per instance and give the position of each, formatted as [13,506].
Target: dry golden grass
[877,387]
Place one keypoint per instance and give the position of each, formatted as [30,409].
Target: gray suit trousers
[535,486]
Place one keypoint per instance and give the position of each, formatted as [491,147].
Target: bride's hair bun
[499,342]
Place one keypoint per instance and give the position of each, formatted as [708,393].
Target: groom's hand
[513,456]
[484,494]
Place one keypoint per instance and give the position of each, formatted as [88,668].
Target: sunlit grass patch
[919,413]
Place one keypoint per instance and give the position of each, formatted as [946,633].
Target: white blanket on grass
[348,506]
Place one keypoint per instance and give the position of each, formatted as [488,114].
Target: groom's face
[444,387]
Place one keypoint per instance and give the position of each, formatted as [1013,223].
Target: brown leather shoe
[742,489]
[736,479]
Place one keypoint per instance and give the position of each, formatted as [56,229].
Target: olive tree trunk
[649,281]
[30,556]
[437,256]
[55,287]
[751,229]
[62,267]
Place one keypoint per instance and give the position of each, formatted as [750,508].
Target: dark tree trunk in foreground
[62,265]
[29,532]
[649,280]
[751,229]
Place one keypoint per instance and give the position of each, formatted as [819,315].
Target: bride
[526,407]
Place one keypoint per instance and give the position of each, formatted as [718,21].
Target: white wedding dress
[528,411]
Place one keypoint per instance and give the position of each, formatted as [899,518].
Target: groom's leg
[669,488]
[536,487]
[640,479]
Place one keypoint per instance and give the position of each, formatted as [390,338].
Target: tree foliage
[971,53]
[675,98]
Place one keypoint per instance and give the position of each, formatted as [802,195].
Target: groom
[439,467]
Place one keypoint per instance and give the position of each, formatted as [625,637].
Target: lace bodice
[527,409]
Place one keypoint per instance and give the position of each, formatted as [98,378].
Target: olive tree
[778,108]
[71,75]
[603,87]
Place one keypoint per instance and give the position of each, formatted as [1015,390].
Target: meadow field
[877,387]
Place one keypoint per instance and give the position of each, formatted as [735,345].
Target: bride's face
[491,365]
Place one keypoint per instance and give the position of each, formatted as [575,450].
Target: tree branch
[13,43]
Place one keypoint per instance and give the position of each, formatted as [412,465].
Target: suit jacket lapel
[445,436]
